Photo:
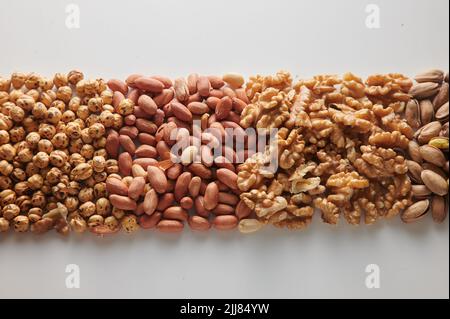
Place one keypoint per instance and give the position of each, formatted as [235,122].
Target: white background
[169,37]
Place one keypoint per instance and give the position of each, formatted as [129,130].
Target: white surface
[208,36]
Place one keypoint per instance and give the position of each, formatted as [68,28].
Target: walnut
[254,171]
[299,184]
[321,84]
[353,86]
[388,88]
[273,106]
[343,185]
[272,98]
[385,198]
[376,162]
[257,84]
[389,139]
[330,212]
[392,122]
[290,147]
[264,204]
[331,163]
[298,116]
[249,115]
[355,120]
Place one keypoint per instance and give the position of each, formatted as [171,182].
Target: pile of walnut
[340,145]
[53,162]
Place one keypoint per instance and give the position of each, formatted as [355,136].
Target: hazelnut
[47,99]
[103,207]
[74,104]
[35,182]
[68,116]
[32,81]
[125,107]
[45,84]
[95,220]
[41,160]
[4,137]
[45,146]
[21,224]
[107,96]
[5,168]
[4,225]
[100,190]
[112,223]
[83,112]
[118,213]
[10,211]
[32,140]
[60,80]
[86,194]
[97,130]
[75,76]
[60,140]
[7,152]
[47,131]
[129,223]
[95,104]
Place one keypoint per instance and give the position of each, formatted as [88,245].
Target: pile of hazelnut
[53,162]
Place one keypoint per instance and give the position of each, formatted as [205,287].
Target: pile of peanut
[161,189]
[152,152]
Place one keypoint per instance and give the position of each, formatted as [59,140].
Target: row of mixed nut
[428,153]
[149,152]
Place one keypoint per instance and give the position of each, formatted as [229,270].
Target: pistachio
[433,75]
[439,142]
[442,97]
[420,191]
[442,112]
[426,111]
[414,171]
[438,208]
[414,151]
[424,90]
[444,130]
[415,211]
[436,183]
[429,131]
[432,155]
[412,114]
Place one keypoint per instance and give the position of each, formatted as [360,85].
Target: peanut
[225,222]
[170,226]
